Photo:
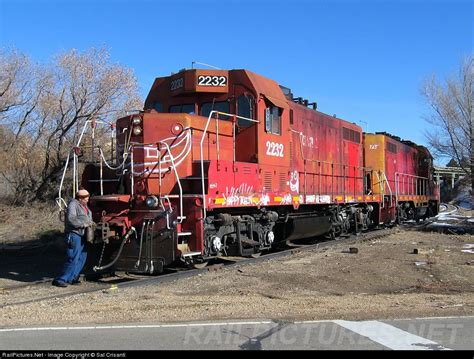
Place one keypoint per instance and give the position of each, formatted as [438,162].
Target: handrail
[165,158]
[423,184]
[217,143]
[319,162]
[180,218]
[75,179]
[172,167]
[389,188]
[132,179]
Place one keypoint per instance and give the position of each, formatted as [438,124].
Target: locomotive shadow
[32,261]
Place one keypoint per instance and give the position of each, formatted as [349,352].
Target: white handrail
[423,184]
[359,168]
[389,188]
[179,158]
[172,167]
[180,218]
[201,149]
[75,179]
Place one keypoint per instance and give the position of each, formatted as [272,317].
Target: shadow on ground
[35,260]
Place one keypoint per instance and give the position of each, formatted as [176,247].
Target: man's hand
[89,223]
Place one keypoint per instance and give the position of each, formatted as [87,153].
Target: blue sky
[361,60]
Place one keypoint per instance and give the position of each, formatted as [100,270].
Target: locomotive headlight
[151,201]
[137,120]
[137,130]
[176,129]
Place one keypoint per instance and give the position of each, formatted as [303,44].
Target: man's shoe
[59,283]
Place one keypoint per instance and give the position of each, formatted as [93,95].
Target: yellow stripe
[277,199]
[339,198]
[219,201]
[296,198]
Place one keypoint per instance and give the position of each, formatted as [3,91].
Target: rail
[201,153]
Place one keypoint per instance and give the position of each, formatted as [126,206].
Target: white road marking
[390,336]
[99,327]
[394,320]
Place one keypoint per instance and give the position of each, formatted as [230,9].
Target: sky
[363,60]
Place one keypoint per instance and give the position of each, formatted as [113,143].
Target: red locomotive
[228,162]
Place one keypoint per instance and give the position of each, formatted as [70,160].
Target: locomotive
[228,163]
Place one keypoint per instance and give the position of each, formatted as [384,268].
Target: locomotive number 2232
[274,149]
[212,80]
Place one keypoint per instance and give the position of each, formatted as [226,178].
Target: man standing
[78,218]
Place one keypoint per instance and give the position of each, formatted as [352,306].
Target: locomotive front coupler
[103,233]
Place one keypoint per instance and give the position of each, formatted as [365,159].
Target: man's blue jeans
[76,258]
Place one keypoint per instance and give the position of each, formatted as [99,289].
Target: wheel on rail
[199,265]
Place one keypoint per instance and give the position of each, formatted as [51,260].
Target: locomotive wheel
[199,265]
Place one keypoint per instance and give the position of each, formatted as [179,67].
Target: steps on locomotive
[197,168]
[193,183]
[183,245]
[180,234]
[186,252]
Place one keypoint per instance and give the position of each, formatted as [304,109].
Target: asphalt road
[453,333]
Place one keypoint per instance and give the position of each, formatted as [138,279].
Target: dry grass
[19,225]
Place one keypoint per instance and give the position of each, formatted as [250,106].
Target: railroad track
[124,280]
[447,209]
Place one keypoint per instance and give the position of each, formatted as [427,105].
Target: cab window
[158,106]
[207,107]
[186,108]
[273,120]
[245,109]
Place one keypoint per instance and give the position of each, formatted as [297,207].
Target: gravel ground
[383,280]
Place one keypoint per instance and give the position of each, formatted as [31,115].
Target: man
[78,218]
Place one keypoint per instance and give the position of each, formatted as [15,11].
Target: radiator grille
[246,170]
[267,181]
[282,181]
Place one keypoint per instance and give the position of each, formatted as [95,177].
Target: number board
[197,80]
[211,81]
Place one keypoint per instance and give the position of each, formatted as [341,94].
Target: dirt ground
[385,279]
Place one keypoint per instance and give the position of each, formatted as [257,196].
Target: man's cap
[82,193]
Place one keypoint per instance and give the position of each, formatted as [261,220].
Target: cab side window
[273,120]
[245,109]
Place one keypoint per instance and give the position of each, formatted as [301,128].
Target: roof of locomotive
[261,85]
[407,143]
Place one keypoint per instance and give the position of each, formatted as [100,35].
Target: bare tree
[47,112]
[15,81]
[451,103]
